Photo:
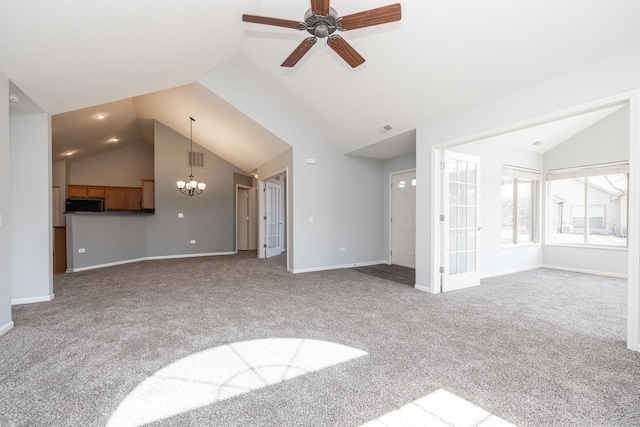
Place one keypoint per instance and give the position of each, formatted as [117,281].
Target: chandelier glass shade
[191,187]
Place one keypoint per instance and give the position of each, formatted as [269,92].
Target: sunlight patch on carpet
[439,409]
[223,372]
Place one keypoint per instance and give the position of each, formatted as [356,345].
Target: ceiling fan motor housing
[321,26]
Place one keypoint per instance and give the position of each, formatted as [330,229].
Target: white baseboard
[20,301]
[336,267]
[187,255]
[582,270]
[109,264]
[6,328]
[130,261]
[515,270]
[423,289]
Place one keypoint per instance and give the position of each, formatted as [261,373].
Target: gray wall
[343,194]
[208,218]
[105,238]
[389,166]
[604,142]
[31,227]
[124,167]
[5,205]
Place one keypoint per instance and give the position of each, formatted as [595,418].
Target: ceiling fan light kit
[321,21]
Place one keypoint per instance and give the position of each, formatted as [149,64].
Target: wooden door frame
[391,174]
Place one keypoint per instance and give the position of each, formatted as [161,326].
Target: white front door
[461,225]
[273,219]
[403,219]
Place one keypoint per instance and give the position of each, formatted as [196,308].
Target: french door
[273,220]
[460,221]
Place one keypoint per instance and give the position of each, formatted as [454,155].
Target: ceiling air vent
[385,129]
[195,159]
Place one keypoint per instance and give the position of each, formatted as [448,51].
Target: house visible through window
[598,193]
[520,196]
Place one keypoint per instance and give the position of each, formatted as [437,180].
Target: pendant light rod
[191,187]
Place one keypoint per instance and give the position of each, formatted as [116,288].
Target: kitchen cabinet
[59,249]
[134,196]
[77,191]
[95,191]
[115,198]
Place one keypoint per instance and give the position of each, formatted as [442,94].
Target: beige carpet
[540,348]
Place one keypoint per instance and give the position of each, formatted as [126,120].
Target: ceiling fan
[321,21]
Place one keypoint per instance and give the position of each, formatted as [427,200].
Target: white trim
[31,300]
[585,271]
[423,289]
[6,328]
[514,270]
[436,227]
[337,267]
[131,261]
[633,235]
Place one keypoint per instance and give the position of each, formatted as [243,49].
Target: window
[598,194]
[520,195]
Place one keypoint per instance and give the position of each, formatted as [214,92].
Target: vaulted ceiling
[144,59]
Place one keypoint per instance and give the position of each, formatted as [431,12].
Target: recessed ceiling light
[14,98]
[69,153]
[116,139]
[100,116]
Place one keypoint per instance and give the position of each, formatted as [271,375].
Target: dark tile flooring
[394,273]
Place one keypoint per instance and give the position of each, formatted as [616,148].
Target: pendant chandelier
[191,187]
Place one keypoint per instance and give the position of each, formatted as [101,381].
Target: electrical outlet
[180,215]
[81,250]
[343,248]
[192,241]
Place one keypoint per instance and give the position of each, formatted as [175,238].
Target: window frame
[518,175]
[585,173]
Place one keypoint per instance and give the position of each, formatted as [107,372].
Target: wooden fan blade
[273,21]
[299,52]
[320,7]
[368,18]
[346,52]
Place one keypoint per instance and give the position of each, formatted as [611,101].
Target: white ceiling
[443,57]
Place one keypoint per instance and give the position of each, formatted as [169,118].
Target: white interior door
[403,219]
[242,219]
[273,219]
[461,224]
